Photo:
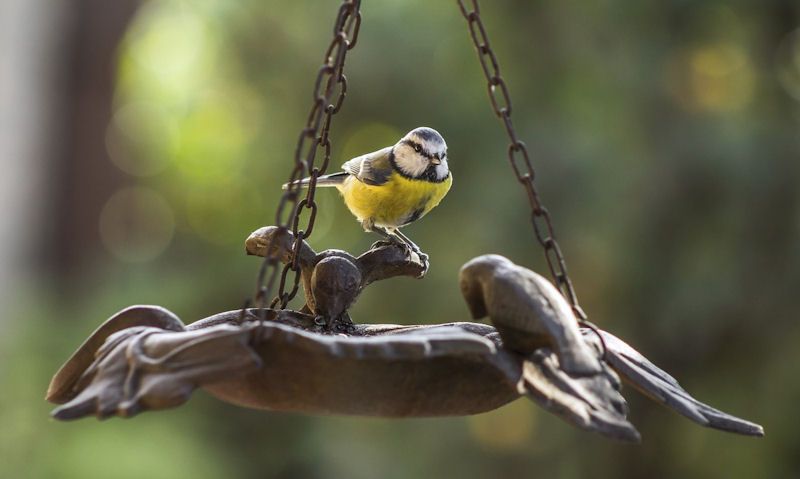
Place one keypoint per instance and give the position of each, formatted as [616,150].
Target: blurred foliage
[665,134]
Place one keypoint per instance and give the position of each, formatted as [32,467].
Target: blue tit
[395,186]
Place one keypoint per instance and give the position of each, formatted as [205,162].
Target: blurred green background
[145,140]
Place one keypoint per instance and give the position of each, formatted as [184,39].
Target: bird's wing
[655,383]
[168,366]
[373,168]
[591,402]
[62,387]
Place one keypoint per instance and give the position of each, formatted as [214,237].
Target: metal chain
[519,158]
[314,136]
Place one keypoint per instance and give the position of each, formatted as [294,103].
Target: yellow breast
[395,203]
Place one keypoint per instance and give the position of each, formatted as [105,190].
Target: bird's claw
[408,251]
[388,239]
[423,259]
[382,243]
[425,265]
[392,242]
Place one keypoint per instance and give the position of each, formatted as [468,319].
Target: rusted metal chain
[519,158]
[330,89]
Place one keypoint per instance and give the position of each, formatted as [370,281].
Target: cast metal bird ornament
[527,310]
[332,279]
[394,186]
[145,358]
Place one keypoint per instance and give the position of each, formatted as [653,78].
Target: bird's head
[422,154]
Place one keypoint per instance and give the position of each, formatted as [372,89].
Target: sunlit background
[141,143]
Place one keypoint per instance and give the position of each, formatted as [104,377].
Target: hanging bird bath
[539,344]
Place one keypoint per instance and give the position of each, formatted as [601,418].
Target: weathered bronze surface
[333,279]
[145,358]
[527,310]
[377,370]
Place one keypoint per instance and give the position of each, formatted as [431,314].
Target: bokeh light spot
[168,39]
[216,212]
[212,138]
[140,138]
[136,224]
[715,77]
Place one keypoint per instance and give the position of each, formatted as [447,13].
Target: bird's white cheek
[411,164]
[441,169]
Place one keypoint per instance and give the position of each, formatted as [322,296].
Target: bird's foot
[386,242]
[396,242]
[388,239]
[409,250]
[423,258]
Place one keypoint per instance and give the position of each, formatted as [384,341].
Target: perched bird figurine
[527,310]
[394,186]
[332,279]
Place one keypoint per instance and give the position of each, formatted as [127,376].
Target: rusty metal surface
[419,373]
[426,371]
[145,358]
[382,370]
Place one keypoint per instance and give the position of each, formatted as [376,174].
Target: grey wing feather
[663,388]
[373,168]
[589,402]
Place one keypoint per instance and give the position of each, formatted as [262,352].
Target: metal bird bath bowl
[317,361]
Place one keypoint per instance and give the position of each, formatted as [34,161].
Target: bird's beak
[436,161]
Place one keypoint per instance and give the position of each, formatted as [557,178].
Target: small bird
[394,186]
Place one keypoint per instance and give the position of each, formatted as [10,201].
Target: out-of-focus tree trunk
[56,81]
[87,178]
[31,63]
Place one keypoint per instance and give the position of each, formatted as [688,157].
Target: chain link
[519,158]
[330,89]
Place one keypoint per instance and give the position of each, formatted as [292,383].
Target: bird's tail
[333,179]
